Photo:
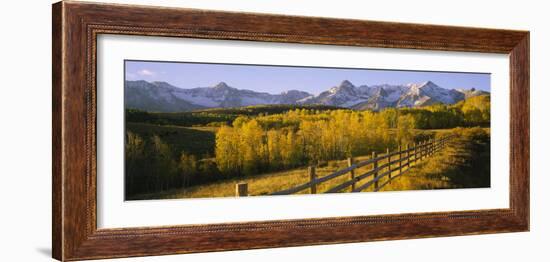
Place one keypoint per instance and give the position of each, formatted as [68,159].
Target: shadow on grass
[464,163]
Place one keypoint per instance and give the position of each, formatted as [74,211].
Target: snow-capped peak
[163,84]
[221,85]
[345,94]
[429,85]
[344,87]
[424,88]
[346,83]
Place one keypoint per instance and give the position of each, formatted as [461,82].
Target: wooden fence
[389,164]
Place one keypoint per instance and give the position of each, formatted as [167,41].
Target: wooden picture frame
[76,26]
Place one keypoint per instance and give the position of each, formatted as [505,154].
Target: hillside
[474,110]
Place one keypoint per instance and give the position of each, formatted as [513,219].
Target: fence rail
[383,165]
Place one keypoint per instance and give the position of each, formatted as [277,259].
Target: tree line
[474,111]
[150,166]
[301,137]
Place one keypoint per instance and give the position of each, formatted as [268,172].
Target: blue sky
[276,79]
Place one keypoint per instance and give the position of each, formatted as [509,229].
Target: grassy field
[462,164]
[465,163]
[260,184]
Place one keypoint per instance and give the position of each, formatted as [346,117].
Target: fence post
[374,167]
[351,173]
[408,157]
[400,159]
[312,178]
[241,189]
[423,150]
[389,161]
[420,149]
[426,148]
[415,153]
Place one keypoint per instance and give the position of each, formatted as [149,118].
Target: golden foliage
[300,137]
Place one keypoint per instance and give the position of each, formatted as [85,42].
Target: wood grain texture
[57,198]
[519,130]
[75,29]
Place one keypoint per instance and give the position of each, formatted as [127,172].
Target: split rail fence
[390,164]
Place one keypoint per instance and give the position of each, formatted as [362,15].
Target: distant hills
[164,97]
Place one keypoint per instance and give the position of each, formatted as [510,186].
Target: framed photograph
[182,130]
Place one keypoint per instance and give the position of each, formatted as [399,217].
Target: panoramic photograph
[205,130]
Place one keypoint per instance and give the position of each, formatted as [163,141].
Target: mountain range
[164,97]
